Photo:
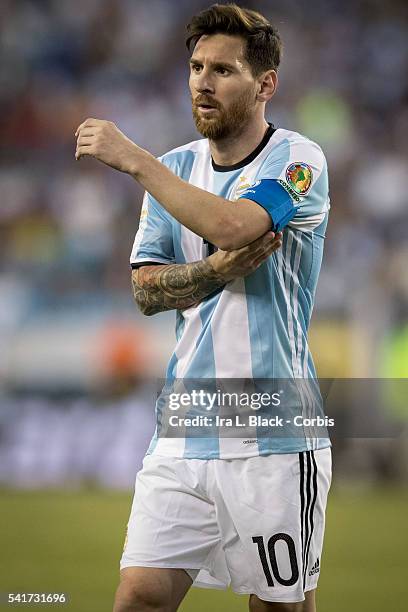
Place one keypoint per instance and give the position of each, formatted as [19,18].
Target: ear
[267,85]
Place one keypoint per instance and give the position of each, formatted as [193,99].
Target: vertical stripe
[305,394]
[302,386]
[314,396]
[191,245]
[298,240]
[292,310]
[281,277]
[203,367]
[192,248]
[201,176]
[308,502]
[288,252]
[310,518]
[232,347]
[302,501]
[186,347]
[306,361]
[232,350]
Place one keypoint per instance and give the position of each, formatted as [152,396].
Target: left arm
[178,286]
[227,224]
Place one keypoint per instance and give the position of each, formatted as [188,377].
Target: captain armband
[279,200]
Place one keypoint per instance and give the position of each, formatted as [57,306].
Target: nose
[203,82]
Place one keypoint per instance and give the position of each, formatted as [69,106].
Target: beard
[227,122]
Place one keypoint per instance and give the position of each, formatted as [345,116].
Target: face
[223,89]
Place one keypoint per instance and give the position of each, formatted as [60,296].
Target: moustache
[205,101]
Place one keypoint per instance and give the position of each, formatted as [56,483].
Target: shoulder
[296,160]
[180,160]
[294,147]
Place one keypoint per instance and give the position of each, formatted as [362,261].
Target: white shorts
[256,524]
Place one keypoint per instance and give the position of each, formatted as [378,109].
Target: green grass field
[69,541]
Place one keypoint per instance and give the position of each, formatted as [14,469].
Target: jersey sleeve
[292,186]
[154,239]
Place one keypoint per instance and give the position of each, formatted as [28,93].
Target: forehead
[221,48]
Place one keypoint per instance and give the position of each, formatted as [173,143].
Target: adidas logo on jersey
[316,568]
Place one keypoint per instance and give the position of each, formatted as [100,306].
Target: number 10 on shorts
[269,560]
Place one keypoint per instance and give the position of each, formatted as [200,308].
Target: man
[219,511]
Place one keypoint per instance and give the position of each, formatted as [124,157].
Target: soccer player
[231,236]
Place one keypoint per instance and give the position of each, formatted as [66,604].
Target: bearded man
[231,237]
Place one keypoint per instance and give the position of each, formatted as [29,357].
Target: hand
[104,141]
[243,261]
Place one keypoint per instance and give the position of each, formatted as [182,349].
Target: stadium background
[75,413]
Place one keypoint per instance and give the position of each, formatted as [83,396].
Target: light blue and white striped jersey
[255,327]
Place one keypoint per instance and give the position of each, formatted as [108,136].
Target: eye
[195,68]
[222,71]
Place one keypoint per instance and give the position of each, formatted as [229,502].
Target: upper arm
[293,187]
[251,222]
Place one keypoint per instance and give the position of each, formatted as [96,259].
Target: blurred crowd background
[74,350]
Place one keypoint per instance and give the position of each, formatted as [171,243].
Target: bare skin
[227,224]
[148,589]
[308,605]
[178,286]
[220,74]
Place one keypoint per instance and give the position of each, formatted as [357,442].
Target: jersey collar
[249,158]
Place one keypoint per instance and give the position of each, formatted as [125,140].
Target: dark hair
[263,43]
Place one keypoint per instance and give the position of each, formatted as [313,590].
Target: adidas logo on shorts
[316,568]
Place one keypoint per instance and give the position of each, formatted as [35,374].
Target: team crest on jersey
[243,184]
[299,176]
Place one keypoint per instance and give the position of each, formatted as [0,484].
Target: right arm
[178,286]
[175,286]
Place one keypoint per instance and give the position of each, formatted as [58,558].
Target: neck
[237,146]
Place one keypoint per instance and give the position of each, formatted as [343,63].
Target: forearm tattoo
[174,286]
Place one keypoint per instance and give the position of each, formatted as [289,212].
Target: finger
[264,238]
[271,237]
[87,131]
[259,259]
[276,241]
[80,127]
[259,244]
[254,249]
[276,245]
[258,262]
[271,245]
[83,150]
[85,140]
[90,122]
